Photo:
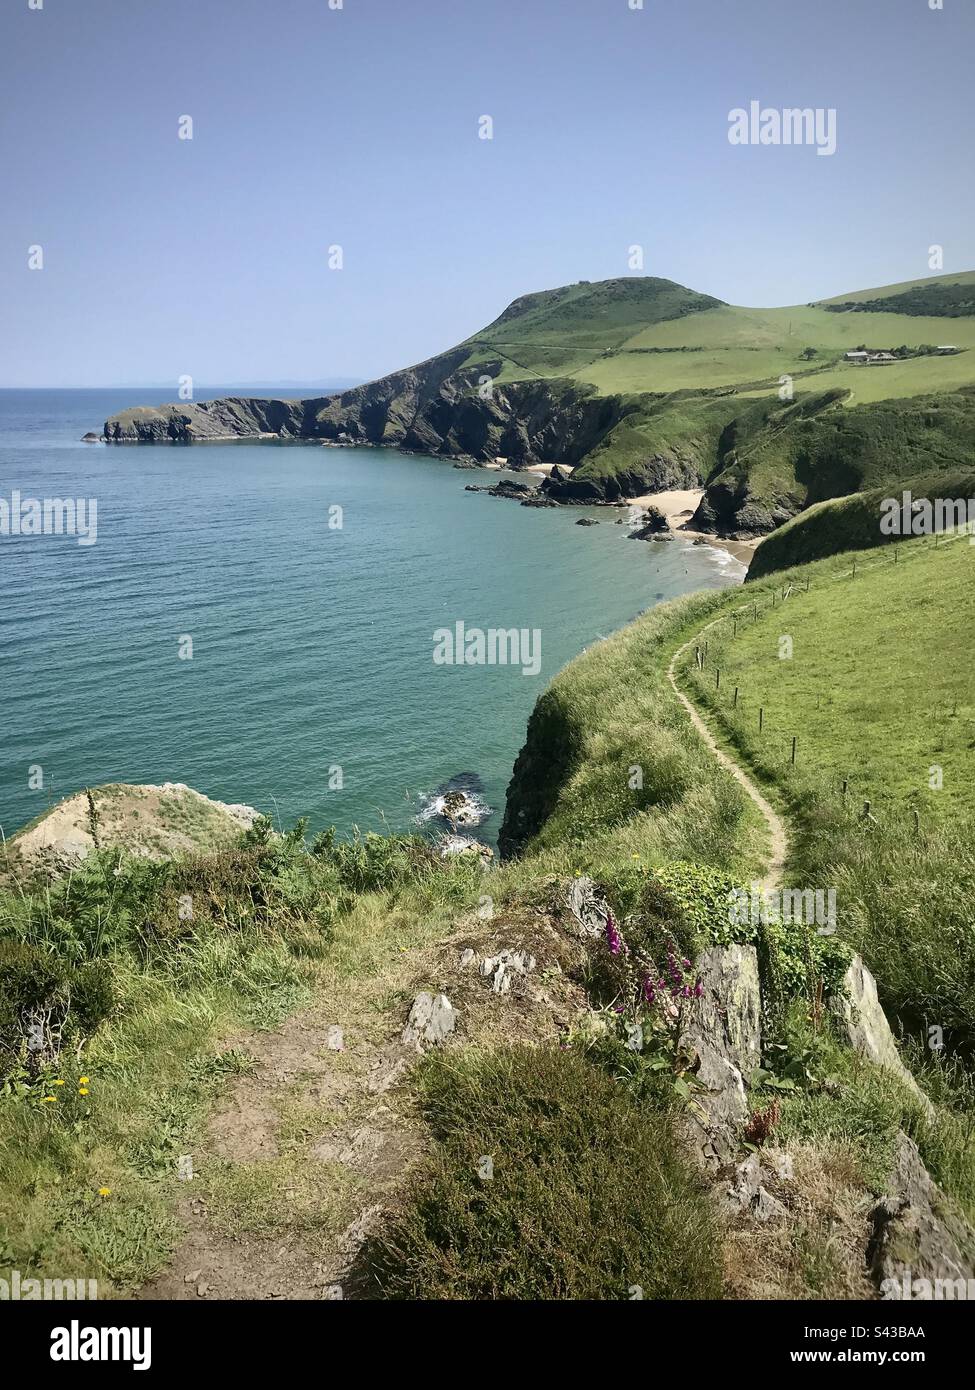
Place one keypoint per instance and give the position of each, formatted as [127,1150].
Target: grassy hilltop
[637,384]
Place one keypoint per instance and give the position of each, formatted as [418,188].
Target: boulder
[432,1019]
[916,1233]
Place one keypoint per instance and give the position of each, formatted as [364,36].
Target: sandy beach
[678,506]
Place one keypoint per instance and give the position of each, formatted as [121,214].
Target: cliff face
[437,408]
[638,384]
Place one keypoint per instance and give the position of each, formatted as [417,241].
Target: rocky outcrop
[917,1235]
[150,821]
[722,1031]
[858,1011]
[436,408]
[653,523]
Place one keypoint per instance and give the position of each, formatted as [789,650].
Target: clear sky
[358,127]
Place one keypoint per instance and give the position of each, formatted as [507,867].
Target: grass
[91,1178]
[883,703]
[549,1182]
[850,655]
[611,770]
[850,523]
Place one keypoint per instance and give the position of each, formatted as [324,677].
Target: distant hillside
[948,297]
[637,384]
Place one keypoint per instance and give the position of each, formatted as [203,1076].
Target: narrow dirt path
[306,1151]
[779,839]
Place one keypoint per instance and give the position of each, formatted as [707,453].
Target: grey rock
[588,906]
[467,957]
[916,1231]
[432,1019]
[723,1028]
[865,1024]
[765,1207]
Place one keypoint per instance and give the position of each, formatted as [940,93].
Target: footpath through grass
[868,673]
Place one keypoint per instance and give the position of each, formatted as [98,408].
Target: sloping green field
[651,335]
[866,671]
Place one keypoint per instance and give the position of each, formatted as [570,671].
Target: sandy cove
[678,506]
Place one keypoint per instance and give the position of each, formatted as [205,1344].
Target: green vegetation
[852,523]
[903,872]
[611,772]
[589,1196]
[946,297]
[119,983]
[125,984]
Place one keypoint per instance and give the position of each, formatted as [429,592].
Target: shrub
[43,1002]
[589,1197]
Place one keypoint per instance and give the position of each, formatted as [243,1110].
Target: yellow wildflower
[82,1090]
[47,1098]
[82,1081]
[104,1192]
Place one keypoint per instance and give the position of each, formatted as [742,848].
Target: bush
[45,1001]
[590,1196]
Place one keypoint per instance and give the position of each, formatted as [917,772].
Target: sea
[267,622]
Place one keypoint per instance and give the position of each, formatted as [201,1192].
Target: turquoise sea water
[312,645]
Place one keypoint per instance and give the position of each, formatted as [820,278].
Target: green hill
[636,384]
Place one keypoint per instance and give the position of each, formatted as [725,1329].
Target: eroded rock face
[861,1017]
[916,1232]
[724,1029]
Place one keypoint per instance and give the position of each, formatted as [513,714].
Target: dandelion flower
[82,1090]
[82,1081]
[48,1098]
[104,1192]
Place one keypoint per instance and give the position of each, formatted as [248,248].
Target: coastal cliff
[637,385]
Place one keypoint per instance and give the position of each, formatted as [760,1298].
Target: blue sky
[358,127]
